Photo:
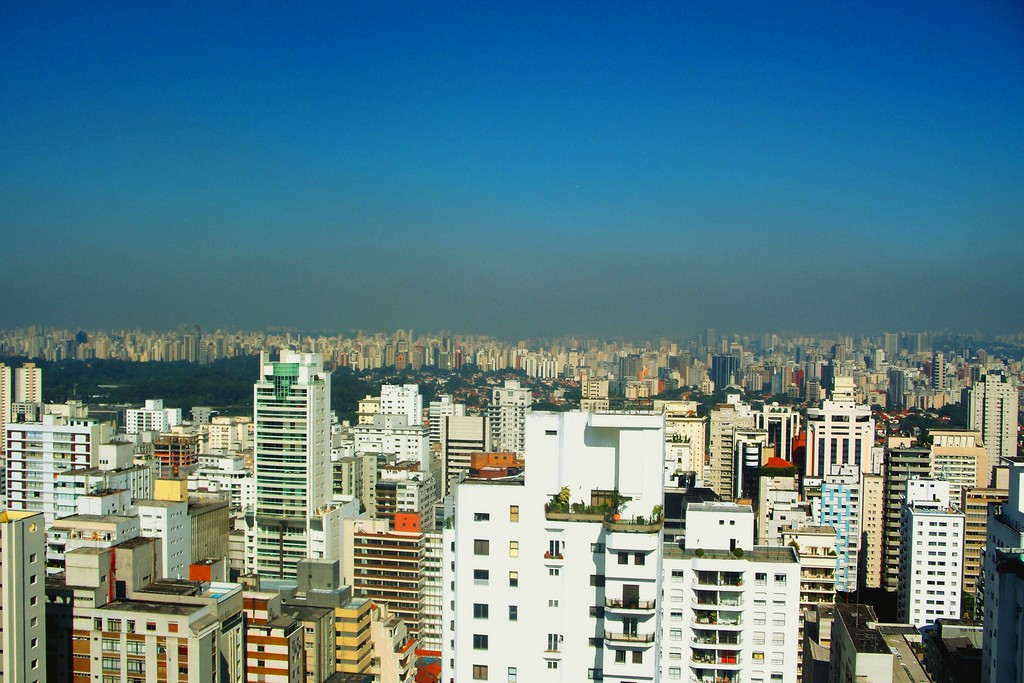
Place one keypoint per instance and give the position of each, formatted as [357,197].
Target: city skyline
[608,171]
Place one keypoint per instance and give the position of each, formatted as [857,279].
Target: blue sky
[599,168]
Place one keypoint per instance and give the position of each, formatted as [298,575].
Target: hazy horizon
[593,171]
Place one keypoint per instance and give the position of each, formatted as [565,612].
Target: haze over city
[538,170]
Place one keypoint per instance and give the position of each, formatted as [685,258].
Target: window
[675,634]
[638,656]
[481,517]
[761,578]
[553,640]
[758,656]
[620,656]
[639,558]
[513,548]
[513,579]
[552,665]
[597,580]
[481,547]
[513,513]
[114,625]
[780,579]
[150,625]
[623,558]
[513,673]
[481,577]
[677,576]
[552,603]
[479,672]
[480,610]
[32,558]
[674,673]
[479,641]
[513,612]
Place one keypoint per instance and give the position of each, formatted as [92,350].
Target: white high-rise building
[931,554]
[539,560]
[840,432]
[730,610]
[993,412]
[169,523]
[291,454]
[22,596]
[402,399]
[507,413]
[151,418]
[39,452]
[444,406]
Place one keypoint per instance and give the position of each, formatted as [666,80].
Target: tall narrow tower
[993,412]
[291,451]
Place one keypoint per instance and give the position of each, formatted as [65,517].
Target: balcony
[716,658]
[616,603]
[556,556]
[710,677]
[717,601]
[716,619]
[629,637]
[705,578]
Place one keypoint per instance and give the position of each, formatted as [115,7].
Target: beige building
[22,597]
[274,640]
[960,458]
[974,502]
[394,649]
[872,522]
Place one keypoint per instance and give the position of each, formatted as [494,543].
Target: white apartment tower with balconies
[507,414]
[291,454]
[555,574]
[931,554]
[730,610]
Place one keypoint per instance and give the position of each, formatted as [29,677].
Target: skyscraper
[291,452]
[840,432]
[993,412]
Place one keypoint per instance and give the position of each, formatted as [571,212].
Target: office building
[840,432]
[782,423]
